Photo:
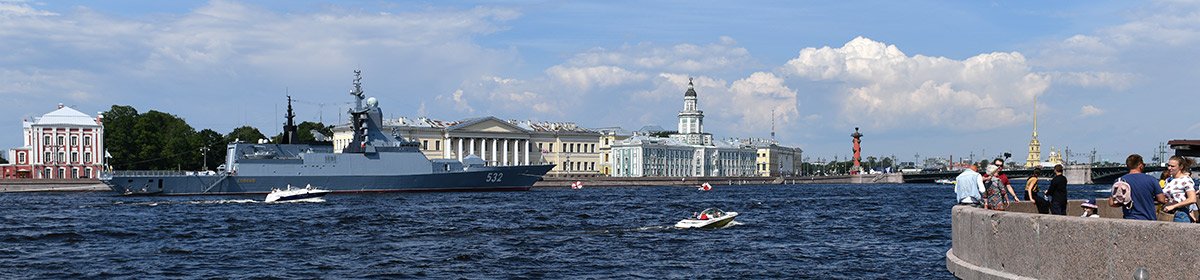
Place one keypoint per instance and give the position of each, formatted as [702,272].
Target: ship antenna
[357,92]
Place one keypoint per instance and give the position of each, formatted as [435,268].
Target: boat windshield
[713,211]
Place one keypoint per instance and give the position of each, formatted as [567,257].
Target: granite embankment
[552,182]
[43,185]
[1021,244]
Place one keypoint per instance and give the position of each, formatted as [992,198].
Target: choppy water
[789,231]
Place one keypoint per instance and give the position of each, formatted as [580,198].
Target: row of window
[578,166]
[87,157]
[87,140]
[570,148]
[48,173]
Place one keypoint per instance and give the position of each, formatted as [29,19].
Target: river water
[899,231]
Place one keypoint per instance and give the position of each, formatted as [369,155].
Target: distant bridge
[1098,175]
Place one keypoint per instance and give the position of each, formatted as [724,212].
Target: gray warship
[371,162]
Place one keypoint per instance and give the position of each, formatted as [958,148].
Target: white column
[445,147]
[472,150]
[460,151]
[505,162]
[527,147]
[494,142]
[483,147]
[516,152]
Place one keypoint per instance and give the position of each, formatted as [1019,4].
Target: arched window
[61,157]
[46,173]
[60,140]
[62,173]
[74,140]
[46,140]
[74,157]
[46,158]
[87,140]
[87,157]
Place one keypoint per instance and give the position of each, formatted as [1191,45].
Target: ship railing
[158,173]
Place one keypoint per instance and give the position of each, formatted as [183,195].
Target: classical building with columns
[690,152]
[775,160]
[572,149]
[62,144]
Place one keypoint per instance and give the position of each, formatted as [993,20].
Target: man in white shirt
[968,186]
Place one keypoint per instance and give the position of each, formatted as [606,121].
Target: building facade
[688,153]
[774,160]
[572,149]
[608,137]
[62,144]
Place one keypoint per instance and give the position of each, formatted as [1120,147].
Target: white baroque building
[62,144]
[689,153]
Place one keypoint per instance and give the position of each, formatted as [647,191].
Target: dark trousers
[1058,206]
[1043,206]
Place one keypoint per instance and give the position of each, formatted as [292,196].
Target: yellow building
[608,137]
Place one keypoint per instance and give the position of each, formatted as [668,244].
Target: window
[61,157]
[88,174]
[74,140]
[74,173]
[46,158]
[46,173]
[21,158]
[87,140]
[424,144]
[60,141]
[437,145]
[62,173]
[551,147]
[46,140]
[87,157]
[74,157]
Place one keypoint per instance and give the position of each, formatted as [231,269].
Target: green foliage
[245,134]
[159,141]
[305,135]
[2,160]
[215,142]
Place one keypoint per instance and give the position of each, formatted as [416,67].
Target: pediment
[487,124]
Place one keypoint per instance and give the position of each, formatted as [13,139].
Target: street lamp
[204,150]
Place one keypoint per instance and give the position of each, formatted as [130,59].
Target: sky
[918,78]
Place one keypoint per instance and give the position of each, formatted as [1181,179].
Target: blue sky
[935,78]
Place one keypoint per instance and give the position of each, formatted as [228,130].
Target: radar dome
[372,102]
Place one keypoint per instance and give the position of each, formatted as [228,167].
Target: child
[1089,209]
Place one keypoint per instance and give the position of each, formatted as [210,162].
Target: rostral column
[857,152]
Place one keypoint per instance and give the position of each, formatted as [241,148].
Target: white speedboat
[945,182]
[308,193]
[709,218]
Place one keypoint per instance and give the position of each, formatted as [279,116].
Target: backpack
[1120,193]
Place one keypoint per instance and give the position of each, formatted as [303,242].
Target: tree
[215,142]
[2,160]
[245,134]
[305,135]
[886,162]
[165,142]
[119,136]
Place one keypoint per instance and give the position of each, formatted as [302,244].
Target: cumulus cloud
[723,55]
[757,97]
[882,87]
[1089,110]
[1115,81]
[585,78]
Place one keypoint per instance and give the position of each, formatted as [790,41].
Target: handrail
[161,173]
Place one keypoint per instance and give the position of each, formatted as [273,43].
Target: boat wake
[308,200]
[157,203]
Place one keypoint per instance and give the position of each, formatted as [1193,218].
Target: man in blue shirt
[968,186]
[1143,192]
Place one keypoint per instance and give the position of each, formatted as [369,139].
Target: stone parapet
[1012,244]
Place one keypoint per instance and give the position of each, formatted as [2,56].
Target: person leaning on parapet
[1058,192]
[1033,193]
[968,186]
[1143,192]
[1180,190]
[1004,179]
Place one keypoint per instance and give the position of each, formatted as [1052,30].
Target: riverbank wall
[51,185]
[1021,244]
[563,182]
